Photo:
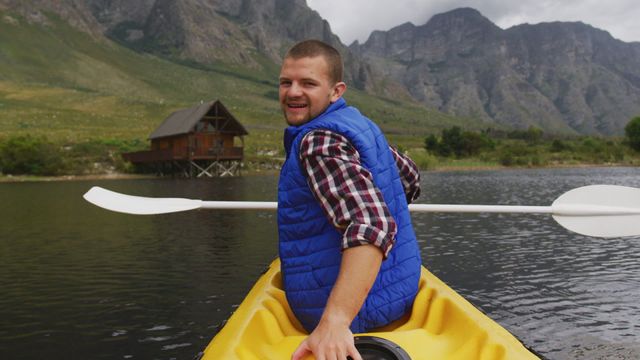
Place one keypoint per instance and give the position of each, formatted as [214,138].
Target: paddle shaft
[266,205]
[444,208]
[563,210]
[480,208]
[259,205]
[556,209]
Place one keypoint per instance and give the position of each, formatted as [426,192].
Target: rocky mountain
[562,77]
[251,33]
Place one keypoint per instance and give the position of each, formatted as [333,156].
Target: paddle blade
[600,210]
[138,205]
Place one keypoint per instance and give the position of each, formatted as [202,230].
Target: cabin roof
[184,121]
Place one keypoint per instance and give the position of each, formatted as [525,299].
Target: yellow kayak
[442,325]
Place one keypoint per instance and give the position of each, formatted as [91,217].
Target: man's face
[305,89]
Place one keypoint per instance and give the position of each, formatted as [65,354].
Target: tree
[456,142]
[632,133]
[532,135]
[431,143]
[558,146]
[473,143]
[452,142]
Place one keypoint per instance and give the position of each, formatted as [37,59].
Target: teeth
[297,105]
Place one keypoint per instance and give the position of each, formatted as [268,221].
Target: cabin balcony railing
[149,156]
[180,154]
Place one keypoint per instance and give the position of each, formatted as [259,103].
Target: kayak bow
[442,325]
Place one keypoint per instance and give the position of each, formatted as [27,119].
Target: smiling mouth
[296,106]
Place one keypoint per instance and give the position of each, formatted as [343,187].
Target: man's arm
[332,337]
[409,174]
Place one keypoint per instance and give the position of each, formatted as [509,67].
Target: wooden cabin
[195,142]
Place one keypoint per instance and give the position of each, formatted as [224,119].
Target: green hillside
[62,83]
[71,103]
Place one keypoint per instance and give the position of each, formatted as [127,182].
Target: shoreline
[126,176]
[109,176]
[454,168]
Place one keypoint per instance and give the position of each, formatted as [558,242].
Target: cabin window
[205,126]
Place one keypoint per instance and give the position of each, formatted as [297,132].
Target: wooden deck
[164,155]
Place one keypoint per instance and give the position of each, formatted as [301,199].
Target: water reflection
[81,282]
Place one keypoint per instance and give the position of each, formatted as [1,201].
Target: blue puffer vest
[310,247]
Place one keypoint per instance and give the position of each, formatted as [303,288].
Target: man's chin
[296,120]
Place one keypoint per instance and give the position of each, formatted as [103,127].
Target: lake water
[79,282]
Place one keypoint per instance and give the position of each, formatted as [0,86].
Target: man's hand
[328,342]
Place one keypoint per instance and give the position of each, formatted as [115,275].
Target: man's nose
[295,89]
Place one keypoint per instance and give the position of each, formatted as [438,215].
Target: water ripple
[565,294]
[79,280]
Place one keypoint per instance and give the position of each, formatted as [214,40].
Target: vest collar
[291,132]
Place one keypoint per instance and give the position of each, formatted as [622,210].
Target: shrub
[520,154]
[507,158]
[98,155]
[423,159]
[632,133]
[558,145]
[29,155]
[591,145]
[532,135]
[431,143]
[473,143]
[458,143]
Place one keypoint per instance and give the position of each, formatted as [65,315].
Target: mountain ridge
[567,78]
[560,76]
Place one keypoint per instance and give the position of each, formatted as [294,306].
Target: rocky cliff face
[234,31]
[562,77]
[566,77]
[242,32]
[76,12]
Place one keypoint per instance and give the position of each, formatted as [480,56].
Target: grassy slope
[70,87]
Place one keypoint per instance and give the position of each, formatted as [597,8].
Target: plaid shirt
[346,192]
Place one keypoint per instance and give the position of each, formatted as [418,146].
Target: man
[350,260]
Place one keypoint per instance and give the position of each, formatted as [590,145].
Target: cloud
[356,19]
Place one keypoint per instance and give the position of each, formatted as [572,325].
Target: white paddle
[595,210]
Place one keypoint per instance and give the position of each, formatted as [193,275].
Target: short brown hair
[313,48]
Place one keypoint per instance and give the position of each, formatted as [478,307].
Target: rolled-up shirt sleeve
[346,192]
[409,174]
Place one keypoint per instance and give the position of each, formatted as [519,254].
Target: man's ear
[338,90]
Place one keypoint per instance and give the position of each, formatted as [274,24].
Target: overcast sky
[356,19]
